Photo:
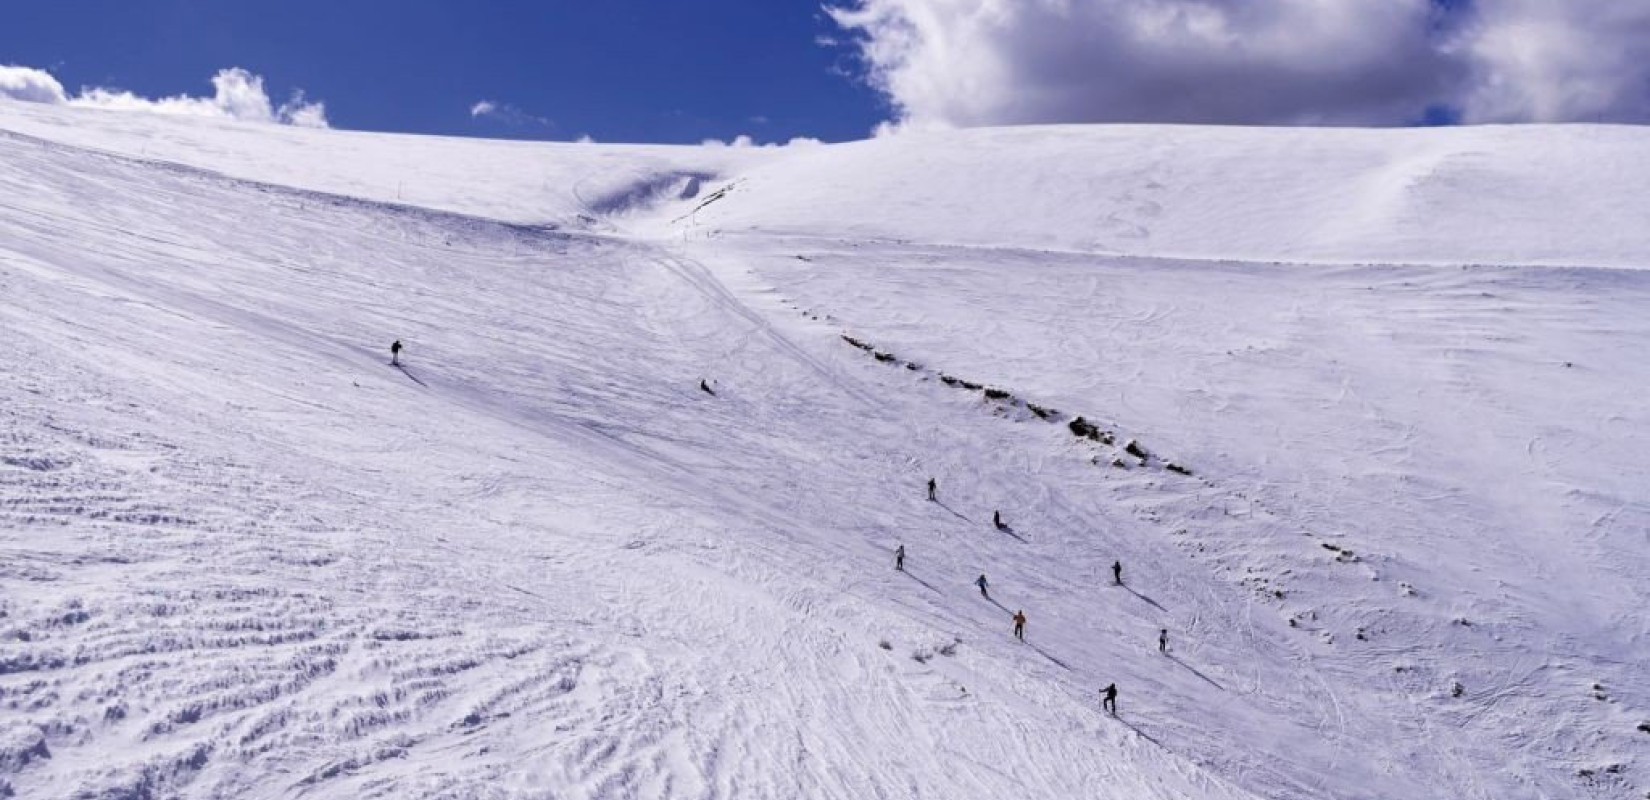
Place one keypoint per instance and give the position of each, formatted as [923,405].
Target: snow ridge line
[545,231]
[1005,400]
[1185,259]
[709,199]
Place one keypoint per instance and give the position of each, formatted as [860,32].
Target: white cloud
[508,114]
[30,85]
[1359,62]
[744,140]
[1548,61]
[237,94]
[303,113]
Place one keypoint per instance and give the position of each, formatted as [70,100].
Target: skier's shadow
[1009,529]
[1143,734]
[1153,603]
[408,373]
[926,584]
[993,601]
[1045,654]
[953,511]
[1193,670]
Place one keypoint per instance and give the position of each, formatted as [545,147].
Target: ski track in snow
[241,556]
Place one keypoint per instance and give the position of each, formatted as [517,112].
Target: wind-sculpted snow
[241,555]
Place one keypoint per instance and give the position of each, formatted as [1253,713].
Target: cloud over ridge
[1347,62]
[237,94]
[508,114]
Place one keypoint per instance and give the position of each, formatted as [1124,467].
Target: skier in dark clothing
[997,519]
[705,387]
[899,558]
[1117,572]
[1020,625]
[1109,701]
[1163,641]
[395,353]
[932,486]
[982,584]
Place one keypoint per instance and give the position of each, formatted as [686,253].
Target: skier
[395,353]
[899,558]
[997,519]
[1163,641]
[1020,625]
[1117,572]
[932,486]
[1109,702]
[982,584]
[705,387]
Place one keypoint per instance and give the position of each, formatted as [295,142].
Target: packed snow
[1358,413]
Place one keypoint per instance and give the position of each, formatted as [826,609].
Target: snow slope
[241,556]
[531,183]
[1438,196]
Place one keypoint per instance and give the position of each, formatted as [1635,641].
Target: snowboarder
[1117,572]
[705,387]
[982,584]
[899,558]
[997,520]
[1163,641]
[1020,625]
[1109,702]
[932,487]
[395,353]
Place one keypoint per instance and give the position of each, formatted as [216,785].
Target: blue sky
[690,70]
[618,70]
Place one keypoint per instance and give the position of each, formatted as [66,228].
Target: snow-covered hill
[242,556]
[1441,196]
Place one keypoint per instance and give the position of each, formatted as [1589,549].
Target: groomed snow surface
[1399,377]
